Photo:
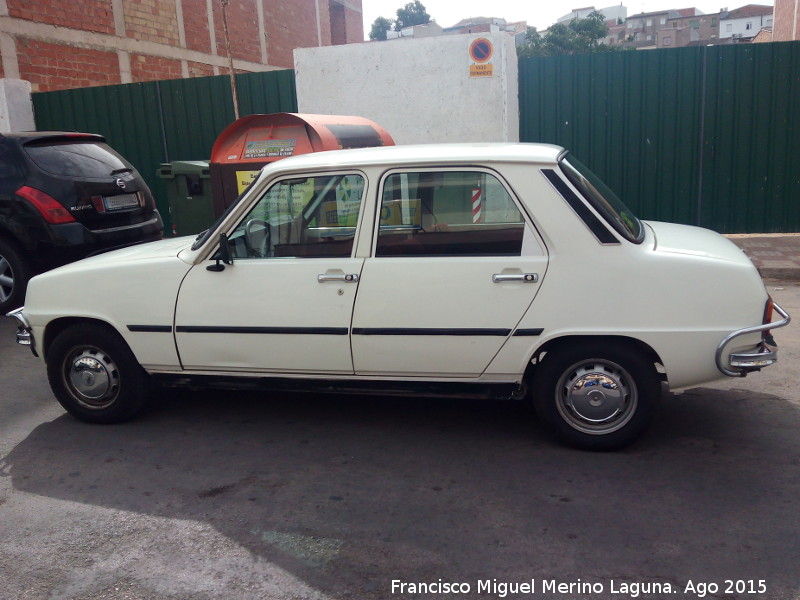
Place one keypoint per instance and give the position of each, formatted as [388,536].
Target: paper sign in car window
[348,200]
[285,201]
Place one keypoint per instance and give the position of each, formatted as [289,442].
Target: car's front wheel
[94,375]
[596,396]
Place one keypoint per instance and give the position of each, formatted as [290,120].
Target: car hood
[152,250]
[694,241]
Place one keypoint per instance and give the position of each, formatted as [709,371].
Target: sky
[537,13]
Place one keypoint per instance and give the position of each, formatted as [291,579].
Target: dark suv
[63,197]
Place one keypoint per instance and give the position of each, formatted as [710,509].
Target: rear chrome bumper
[740,365]
[24,332]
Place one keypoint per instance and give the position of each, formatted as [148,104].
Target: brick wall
[151,20]
[155,45]
[56,67]
[338,22]
[195,24]
[87,15]
[354,24]
[786,22]
[290,25]
[242,27]
[200,70]
[151,68]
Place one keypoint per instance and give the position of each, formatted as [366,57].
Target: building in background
[744,23]
[489,25]
[687,30]
[641,30]
[83,43]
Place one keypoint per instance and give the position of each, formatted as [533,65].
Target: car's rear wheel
[95,376]
[597,396]
[14,275]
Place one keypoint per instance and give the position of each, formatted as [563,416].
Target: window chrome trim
[602,233]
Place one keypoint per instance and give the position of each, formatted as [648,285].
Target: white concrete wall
[16,107]
[420,90]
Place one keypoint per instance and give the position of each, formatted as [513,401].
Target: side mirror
[223,255]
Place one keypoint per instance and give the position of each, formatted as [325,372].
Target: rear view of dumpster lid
[251,142]
[266,138]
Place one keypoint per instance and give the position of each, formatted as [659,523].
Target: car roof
[422,155]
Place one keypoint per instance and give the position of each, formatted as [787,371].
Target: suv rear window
[84,159]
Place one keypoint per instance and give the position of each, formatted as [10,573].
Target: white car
[507,270]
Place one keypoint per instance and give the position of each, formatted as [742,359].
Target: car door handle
[523,277]
[343,277]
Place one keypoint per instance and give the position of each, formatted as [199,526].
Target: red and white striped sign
[477,205]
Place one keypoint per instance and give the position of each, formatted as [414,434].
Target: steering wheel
[256,238]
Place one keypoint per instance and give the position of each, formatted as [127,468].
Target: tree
[413,13]
[580,36]
[379,28]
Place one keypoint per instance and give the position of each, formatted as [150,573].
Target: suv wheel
[14,275]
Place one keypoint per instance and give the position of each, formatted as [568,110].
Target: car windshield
[82,159]
[603,199]
[206,233]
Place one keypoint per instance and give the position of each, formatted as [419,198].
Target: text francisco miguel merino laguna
[501,589]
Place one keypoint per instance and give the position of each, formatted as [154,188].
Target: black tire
[597,396]
[95,376]
[14,275]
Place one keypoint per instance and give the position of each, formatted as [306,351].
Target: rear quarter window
[603,199]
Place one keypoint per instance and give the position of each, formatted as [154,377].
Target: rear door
[454,267]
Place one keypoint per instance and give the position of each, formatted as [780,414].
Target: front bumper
[740,364]
[24,331]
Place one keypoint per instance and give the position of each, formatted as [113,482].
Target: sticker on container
[244,179]
[269,148]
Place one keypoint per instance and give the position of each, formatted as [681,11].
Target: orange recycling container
[251,142]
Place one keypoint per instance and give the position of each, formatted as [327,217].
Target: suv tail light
[52,211]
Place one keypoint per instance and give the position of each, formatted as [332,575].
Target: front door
[285,303]
[454,269]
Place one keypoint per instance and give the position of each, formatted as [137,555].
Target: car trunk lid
[694,241]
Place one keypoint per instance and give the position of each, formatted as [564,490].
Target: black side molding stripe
[431,331]
[528,332]
[600,231]
[150,328]
[334,330]
[264,330]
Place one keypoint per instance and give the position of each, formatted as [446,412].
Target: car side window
[448,213]
[307,217]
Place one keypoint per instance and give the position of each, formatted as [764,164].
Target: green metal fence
[707,136]
[159,121]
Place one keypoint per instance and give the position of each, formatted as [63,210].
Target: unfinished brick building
[82,43]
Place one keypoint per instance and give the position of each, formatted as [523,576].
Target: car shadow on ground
[349,493]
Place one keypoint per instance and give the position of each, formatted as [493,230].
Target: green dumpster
[191,202]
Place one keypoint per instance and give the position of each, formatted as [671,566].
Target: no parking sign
[481,51]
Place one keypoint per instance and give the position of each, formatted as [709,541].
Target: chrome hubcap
[596,396]
[92,378]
